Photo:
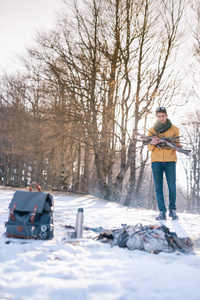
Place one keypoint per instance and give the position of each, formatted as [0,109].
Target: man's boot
[161,216]
[172,213]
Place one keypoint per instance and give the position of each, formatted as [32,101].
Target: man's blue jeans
[158,169]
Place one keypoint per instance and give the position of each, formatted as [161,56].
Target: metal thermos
[79,223]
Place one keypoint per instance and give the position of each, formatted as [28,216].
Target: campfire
[150,238]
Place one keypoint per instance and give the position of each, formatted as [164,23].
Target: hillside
[86,269]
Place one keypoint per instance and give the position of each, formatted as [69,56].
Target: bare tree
[192,166]
[91,83]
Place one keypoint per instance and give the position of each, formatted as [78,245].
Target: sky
[19,21]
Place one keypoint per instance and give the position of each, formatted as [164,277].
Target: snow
[85,269]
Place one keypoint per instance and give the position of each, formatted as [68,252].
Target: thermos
[79,223]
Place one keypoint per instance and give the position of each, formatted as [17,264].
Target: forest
[70,114]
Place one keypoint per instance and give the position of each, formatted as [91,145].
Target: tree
[92,82]
[191,128]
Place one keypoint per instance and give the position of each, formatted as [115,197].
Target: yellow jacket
[163,154]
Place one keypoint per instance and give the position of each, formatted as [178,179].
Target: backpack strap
[32,219]
[11,215]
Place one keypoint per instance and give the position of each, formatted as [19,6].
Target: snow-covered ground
[85,269]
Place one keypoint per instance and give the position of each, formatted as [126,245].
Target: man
[163,160]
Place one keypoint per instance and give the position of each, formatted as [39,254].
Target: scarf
[161,128]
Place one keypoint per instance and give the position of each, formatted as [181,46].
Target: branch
[168,143]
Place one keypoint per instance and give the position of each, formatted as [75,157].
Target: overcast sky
[19,20]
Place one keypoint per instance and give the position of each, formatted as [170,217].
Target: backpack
[31,215]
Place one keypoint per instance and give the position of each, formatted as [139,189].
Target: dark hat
[161,110]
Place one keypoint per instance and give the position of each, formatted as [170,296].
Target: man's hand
[155,140]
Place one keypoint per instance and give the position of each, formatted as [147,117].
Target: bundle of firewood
[166,142]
